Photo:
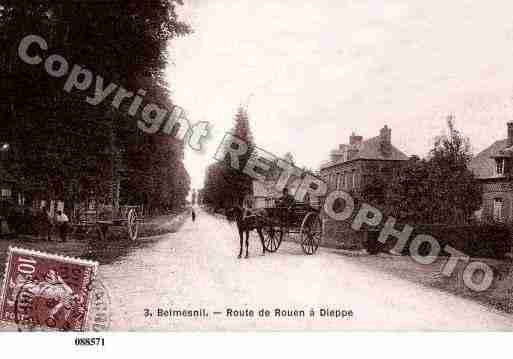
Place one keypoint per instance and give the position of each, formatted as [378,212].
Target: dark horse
[245,224]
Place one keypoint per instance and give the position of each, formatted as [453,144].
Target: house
[493,167]
[7,190]
[351,166]
[264,194]
[11,185]
[7,185]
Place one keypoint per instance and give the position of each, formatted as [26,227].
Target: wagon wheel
[132,225]
[311,233]
[272,238]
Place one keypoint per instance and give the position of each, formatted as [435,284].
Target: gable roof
[369,149]
[483,164]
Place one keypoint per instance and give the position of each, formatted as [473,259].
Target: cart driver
[286,200]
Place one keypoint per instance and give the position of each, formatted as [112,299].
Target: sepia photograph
[205,166]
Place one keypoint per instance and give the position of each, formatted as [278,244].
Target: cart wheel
[272,238]
[311,233]
[132,225]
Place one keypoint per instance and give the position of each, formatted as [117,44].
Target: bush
[474,240]
[22,221]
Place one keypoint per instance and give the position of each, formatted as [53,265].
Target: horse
[246,222]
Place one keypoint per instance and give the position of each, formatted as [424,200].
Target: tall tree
[224,185]
[61,139]
[239,184]
[439,189]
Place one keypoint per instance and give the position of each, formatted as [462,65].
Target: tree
[214,187]
[409,196]
[61,139]
[439,189]
[224,185]
[374,191]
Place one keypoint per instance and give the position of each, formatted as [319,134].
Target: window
[269,202]
[500,166]
[6,193]
[498,210]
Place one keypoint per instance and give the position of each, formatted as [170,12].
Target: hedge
[474,240]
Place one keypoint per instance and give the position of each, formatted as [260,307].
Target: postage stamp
[44,291]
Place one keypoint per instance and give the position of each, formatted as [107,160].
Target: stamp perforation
[3,289]
[53,256]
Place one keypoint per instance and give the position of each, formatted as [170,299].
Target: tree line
[63,147]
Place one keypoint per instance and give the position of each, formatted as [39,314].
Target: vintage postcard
[255,166]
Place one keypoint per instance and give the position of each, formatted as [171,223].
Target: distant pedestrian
[62,223]
[193,215]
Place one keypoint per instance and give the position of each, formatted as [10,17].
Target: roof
[370,149]
[483,164]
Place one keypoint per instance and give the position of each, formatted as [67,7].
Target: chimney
[510,133]
[355,140]
[385,139]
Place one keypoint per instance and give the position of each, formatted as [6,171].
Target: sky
[313,72]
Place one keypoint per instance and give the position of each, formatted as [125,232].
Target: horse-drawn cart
[301,220]
[126,218]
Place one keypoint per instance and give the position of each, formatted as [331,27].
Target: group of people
[61,222]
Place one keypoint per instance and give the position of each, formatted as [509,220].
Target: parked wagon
[126,218]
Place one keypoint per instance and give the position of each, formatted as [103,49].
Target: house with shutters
[493,167]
